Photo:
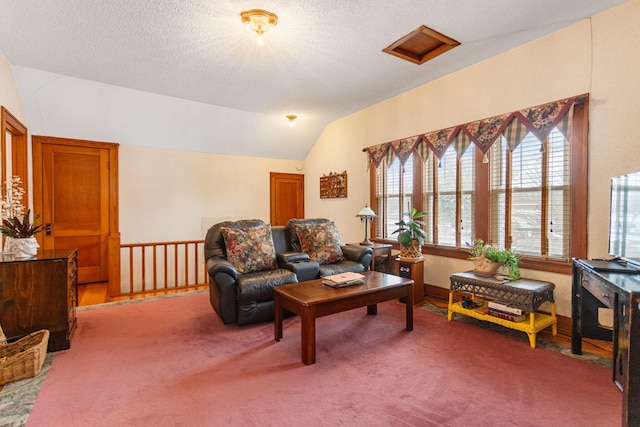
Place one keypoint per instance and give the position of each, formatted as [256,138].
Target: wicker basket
[411,252]
[23,358]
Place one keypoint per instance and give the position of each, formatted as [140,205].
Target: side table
[379,249]
[525,294]
[413,269]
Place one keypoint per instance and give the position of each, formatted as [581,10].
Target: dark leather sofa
[248,298]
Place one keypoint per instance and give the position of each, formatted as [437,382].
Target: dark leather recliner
[248,298]
[240,298]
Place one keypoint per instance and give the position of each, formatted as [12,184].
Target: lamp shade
[366,212]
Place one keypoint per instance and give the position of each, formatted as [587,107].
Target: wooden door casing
[287,197]
[9,125]
[76,192]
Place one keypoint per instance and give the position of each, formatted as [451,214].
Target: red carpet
[173,362]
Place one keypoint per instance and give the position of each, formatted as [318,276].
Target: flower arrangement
[12,201]
[15,221]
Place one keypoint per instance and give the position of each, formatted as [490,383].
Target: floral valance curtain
[514,127]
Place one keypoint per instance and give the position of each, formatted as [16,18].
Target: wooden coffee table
[312,299]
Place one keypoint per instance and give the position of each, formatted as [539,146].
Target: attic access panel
[421,45]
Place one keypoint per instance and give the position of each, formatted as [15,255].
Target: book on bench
[343,279]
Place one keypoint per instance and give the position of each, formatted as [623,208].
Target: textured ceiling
[323,61]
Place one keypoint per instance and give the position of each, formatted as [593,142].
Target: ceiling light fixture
[259,21]
[292,118]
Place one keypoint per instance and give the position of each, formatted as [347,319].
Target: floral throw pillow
[320,241]
[250,249]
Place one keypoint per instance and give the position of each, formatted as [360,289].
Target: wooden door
[75,189]
[287,197]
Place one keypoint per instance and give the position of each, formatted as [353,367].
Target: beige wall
[9,95]
[168,195]
[563,64]
[615,112]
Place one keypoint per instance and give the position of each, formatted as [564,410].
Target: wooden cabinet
[413,269]
[40,293]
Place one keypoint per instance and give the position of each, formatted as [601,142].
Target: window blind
[394,199]
[530,196]
[428,188]
[558,220]
[467,195]
[446,196]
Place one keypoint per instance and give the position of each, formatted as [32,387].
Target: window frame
[578,172]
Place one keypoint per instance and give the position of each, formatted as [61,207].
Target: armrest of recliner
[361,254]
[300,264]
[218,265]
[223,288]
[285,257]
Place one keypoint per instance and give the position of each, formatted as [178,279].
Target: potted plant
[411,235]
[18,229]
[487,259]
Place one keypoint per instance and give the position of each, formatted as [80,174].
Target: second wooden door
[287,197]
[74,192]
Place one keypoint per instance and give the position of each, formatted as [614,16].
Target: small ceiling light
[292,118]
[259,21]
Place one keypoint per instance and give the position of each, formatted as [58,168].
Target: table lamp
[366,215]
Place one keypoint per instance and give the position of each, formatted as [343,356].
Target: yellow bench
[525,294]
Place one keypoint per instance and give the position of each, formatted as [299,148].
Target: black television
[624,218]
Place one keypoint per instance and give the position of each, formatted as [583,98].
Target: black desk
[621,293]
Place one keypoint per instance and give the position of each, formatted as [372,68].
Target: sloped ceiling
[323,61]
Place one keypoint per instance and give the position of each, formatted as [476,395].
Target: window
[394,193]
[449,184]
[527,193]
[529,196]
[446,197]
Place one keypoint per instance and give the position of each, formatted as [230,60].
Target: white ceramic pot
[26,247]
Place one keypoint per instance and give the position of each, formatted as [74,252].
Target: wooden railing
[147,267]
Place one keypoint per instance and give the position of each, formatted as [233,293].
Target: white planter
[21,248]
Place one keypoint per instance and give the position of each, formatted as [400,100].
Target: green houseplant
[411,235]
[488,259]
[20,228]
